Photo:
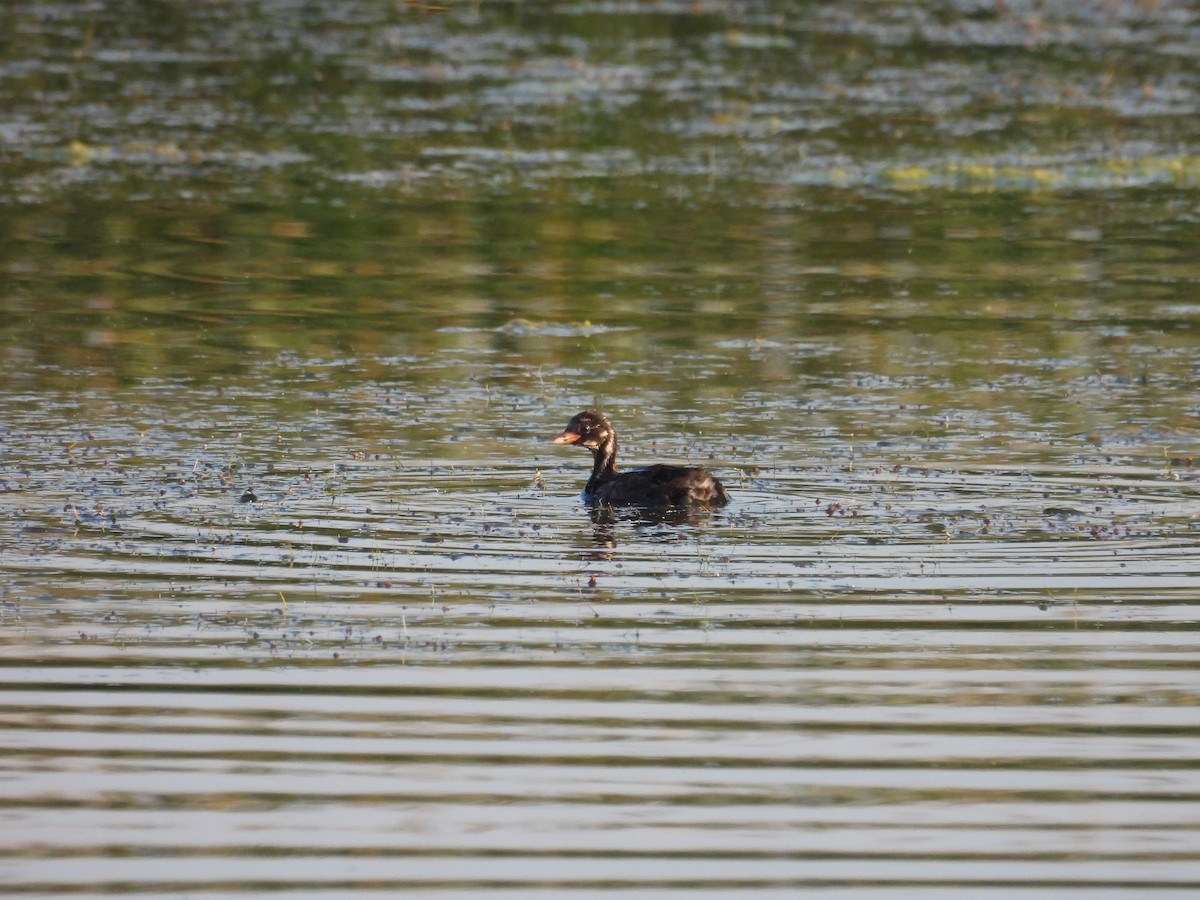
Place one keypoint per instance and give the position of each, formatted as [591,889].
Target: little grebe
[653,486]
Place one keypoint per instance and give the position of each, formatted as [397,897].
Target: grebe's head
[587,429]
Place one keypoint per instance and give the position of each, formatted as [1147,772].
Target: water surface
[298,598]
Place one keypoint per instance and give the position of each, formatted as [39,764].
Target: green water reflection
[314,280]
[962,195]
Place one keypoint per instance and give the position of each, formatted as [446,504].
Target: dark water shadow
[652,523]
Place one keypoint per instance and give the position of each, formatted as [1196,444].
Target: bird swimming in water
[652,486]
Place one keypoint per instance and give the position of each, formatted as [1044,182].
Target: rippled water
[296,597]
[413,661]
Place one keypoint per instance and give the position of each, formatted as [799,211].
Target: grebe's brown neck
[604,462]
